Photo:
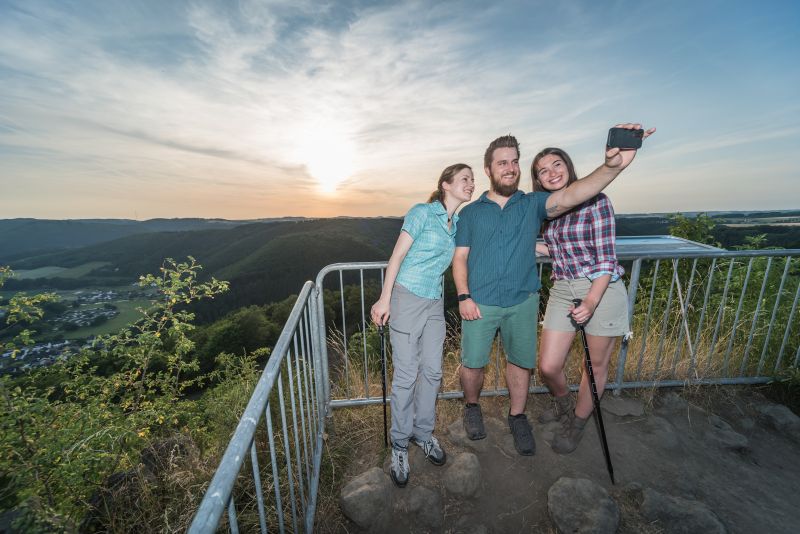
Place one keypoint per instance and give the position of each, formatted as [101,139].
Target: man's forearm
[460,275]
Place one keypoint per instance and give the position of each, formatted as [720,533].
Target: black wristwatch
[464,296]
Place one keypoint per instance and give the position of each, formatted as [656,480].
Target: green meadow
[52,271]
[127,315]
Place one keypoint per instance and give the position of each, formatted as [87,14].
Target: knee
[403,379]
[549,369]
[432,372]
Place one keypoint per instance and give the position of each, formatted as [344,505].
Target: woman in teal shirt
[412,296]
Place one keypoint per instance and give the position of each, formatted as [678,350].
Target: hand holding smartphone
[625,139]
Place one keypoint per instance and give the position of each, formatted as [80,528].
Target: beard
[504,190]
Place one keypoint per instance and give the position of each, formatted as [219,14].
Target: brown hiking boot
[570,436]
[560,408]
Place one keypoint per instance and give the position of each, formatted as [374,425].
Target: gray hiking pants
[417,331]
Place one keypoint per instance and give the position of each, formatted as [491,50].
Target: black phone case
[624,138]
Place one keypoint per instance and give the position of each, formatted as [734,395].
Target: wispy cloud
[251,103]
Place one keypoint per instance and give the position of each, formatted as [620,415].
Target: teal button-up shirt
[501,266]
[430,253]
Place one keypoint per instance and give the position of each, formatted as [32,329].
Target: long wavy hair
[571,175]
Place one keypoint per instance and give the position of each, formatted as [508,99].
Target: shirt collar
[441,213]
[513,198]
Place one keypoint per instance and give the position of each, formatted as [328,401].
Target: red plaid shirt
[581,242]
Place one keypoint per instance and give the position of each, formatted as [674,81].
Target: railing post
[623,349]
[319,330]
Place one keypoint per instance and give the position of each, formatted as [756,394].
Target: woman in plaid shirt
[584,266]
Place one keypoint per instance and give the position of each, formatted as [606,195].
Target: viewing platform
[699,316]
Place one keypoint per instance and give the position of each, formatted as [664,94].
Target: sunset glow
[195,108]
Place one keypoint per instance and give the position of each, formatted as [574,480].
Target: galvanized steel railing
[712,317]
[284,458]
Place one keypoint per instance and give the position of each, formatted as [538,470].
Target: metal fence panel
[703,310]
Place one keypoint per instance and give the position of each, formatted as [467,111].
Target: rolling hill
[25,237]
[264,262]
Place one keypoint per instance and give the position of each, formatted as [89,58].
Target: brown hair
[571,175]
[506,141]
[447,176]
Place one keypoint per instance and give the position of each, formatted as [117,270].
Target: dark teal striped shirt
[501,266]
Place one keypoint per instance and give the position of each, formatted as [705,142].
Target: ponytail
[436,196]
[447,176]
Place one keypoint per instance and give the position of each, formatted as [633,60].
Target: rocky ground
[722,462]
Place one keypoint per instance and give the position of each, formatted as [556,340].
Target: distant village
[89,308]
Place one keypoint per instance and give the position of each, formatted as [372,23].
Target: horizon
[345,216]
[200,109]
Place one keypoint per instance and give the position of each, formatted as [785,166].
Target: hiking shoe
[399,469]
[523,437]
[559,409]
[570,436]
[433,451]
[473,422]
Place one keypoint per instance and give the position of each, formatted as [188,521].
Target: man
[494,269]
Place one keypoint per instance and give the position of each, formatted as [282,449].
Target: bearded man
[494,269]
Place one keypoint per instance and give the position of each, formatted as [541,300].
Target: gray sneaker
[399,470]
[433,450]
[560,408]
[473,422]
[523,437]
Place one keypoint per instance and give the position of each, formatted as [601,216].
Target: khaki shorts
[610,318]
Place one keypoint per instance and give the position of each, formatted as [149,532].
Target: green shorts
[517,324]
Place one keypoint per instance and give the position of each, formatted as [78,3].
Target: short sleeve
[539,204]
[414,221]
[463,233]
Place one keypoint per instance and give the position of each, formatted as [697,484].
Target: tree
[698,229]
[64,429]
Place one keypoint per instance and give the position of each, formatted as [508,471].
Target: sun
[329,156]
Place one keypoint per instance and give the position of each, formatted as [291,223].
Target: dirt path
[748,474]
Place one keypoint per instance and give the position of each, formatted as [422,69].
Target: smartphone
[624,138]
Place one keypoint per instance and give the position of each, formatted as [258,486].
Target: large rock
[463,477]
[365,500]
[724,436]
[469,525]
[663,432]
[672,402]
[425,507]
[577,505]
[781,419]
[622,406]
[676,515]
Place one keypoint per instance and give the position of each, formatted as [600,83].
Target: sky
[253,109]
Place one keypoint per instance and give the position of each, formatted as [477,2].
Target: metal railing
[711,317]
[704,317]
[284,458]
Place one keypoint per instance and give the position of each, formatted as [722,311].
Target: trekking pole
[598,416]
[383,384]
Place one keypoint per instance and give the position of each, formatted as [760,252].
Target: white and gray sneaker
[433,450]
[399,469]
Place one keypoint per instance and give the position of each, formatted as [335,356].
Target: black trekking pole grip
[383,383]
[598,416]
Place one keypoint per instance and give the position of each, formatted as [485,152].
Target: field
[52,271]
[127,315]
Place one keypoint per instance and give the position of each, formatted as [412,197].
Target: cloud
[270,96]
